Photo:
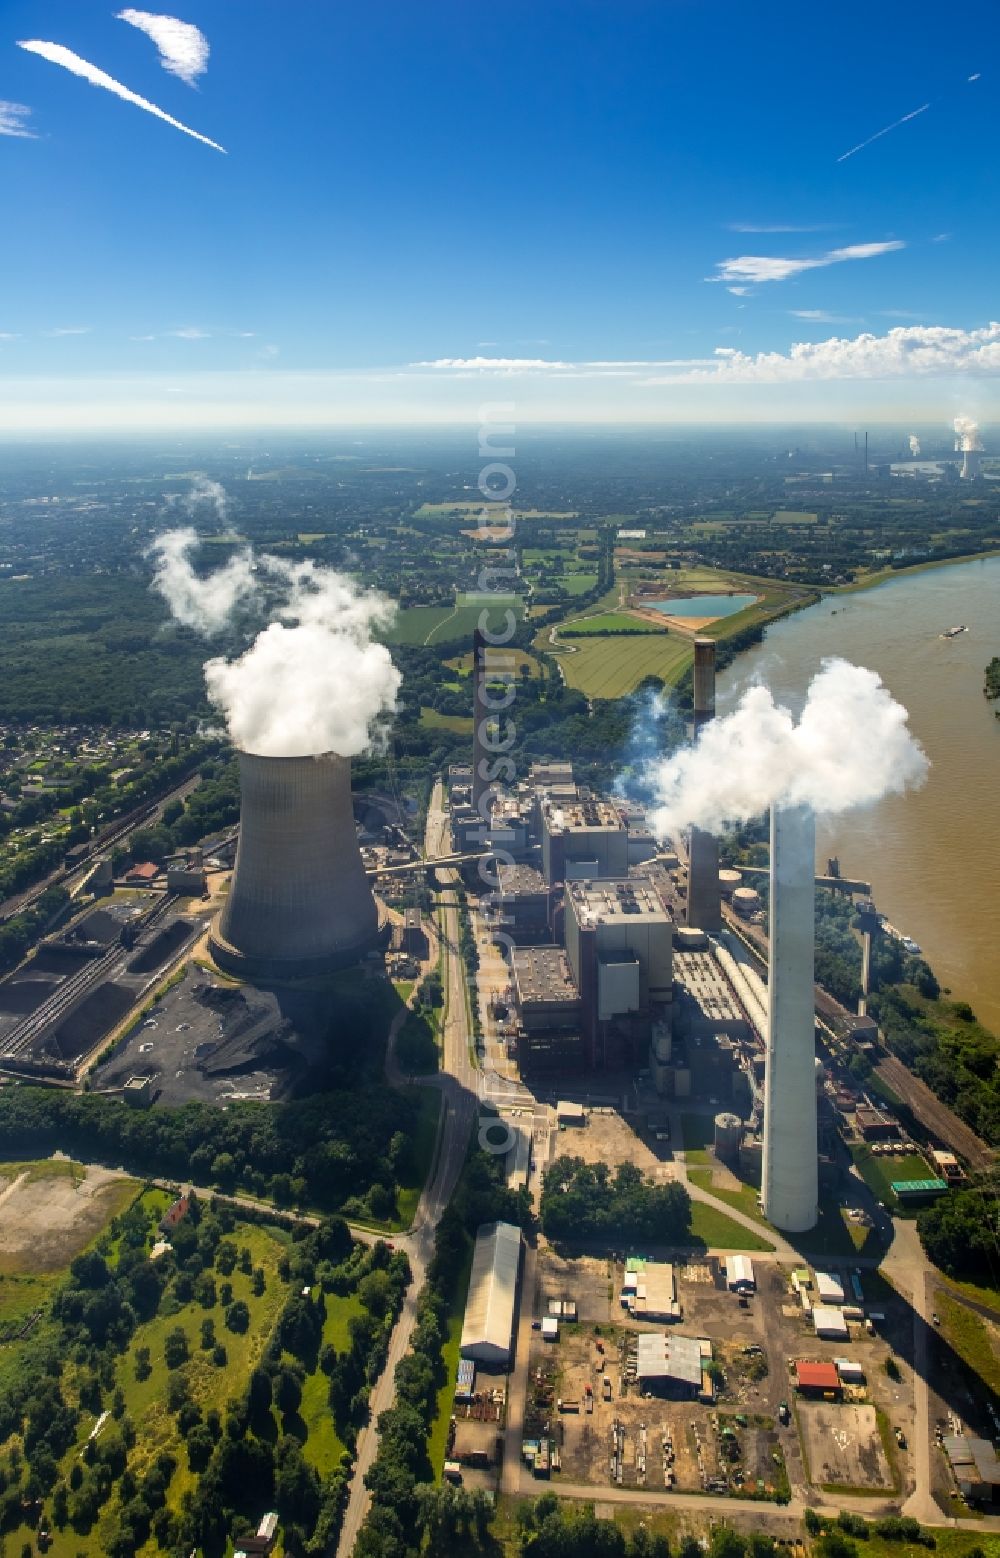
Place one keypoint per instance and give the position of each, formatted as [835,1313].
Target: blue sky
[535,202]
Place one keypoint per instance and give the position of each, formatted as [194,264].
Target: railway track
[72,990]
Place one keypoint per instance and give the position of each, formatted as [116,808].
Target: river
[932,856]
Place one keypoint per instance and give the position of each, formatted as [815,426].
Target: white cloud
[189,333]
[779,227]
[9,335]
[142,337]
[58,54]
[66,330]
[183,49]
[756,268]
[12,117]
[821,316]
[739,292]
[905,351]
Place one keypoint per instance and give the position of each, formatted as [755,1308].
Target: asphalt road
[458,1081]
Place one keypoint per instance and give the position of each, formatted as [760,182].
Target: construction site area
[711,1376]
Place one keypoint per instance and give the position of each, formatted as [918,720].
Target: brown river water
[932,856]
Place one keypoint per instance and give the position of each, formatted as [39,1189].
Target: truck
[606,1387]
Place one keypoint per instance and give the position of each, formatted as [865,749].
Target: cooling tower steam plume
[203,604]
[313,681]
[851,745]
[914,445]
[967,434]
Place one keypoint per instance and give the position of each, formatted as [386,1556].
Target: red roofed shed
[819,1377]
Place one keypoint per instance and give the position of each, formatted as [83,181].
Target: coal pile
[87,1024]
[164,945]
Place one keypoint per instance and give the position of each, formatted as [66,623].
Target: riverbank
[882,575]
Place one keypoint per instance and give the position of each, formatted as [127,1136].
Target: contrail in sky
[896,123]
[879,133]
[58,54]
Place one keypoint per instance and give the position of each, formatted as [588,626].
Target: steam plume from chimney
[313,680]
[851,745]
[967,434]
[914,445]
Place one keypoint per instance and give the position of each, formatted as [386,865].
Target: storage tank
[729,881]
[728,1129]
[299,903]
[746,901]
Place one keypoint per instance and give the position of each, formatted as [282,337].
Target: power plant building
[790,1163]
[584,839]
[619,942]
[299,903]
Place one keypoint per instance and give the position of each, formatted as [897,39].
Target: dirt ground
[48,1218]
[843,1444]
[609,1137]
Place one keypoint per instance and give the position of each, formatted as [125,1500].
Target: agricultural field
[423,625]
[516,659]
[794,517]
[608,622]
[602,667]
[458,724]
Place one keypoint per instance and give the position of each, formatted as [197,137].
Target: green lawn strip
[438,1438]
[743,1200]
[979,1295]
[323,1448]
[717,1231]
[969,1335]
[609,622]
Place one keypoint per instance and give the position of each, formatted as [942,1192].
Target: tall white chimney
[790,1173]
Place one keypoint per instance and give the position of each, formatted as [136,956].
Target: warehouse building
[488,1327]
[974,1466]
[829,1289]
[739,1274]
[675,1366]
[830,1323]
[650,1293]
[817,1379]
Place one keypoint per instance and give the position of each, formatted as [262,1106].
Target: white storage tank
[746,901]
[729,881]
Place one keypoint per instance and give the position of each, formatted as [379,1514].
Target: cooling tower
[970,464]
[299,903]
[790,1171]
[703,906]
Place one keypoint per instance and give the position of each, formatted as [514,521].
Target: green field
[458,724]
[445,624]
[612,667]
[577,583]
[794,517]
[608,622]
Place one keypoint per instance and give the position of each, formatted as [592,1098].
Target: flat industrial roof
[543,974]
[621,899]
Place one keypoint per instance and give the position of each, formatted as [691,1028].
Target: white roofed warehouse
[488,1328]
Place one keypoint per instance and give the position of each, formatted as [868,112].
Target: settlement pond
[933,855]
[701,605]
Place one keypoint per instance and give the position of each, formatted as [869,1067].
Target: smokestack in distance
[299,902]
[704,908]
[480,757]
[790,1170]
